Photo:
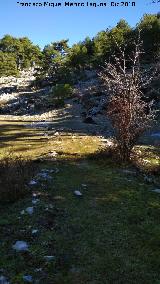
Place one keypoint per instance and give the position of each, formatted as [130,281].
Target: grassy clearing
[109,235]
[18,139]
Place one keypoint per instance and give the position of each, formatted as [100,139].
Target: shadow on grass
[111,228]
[15,174]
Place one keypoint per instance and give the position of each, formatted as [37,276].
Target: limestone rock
[77,193]
[20,246]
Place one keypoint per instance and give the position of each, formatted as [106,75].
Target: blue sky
[45,25]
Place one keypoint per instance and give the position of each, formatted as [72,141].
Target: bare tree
[129,113]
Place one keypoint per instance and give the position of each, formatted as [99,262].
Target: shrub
[129,113]
[60,92]
[14,176]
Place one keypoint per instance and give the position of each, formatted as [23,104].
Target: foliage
[105,41]
[8,66]
[17,54]
[54,56]
[77,56]
[63,64]
[150,34]
[60,92]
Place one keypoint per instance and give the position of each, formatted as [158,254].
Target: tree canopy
[17,54]
[58,61]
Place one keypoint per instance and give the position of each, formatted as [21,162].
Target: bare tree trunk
[124,152]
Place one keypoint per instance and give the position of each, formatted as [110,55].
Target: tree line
[60,63]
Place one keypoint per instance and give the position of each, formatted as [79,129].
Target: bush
[129,113]
[14,176]
[60,92]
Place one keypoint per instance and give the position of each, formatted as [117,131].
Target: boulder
[89,120]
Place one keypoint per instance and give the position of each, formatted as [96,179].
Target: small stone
[33,182]
[28,278]
[29,210]
[34,231]
[51,206]
[157,190]
[77,193]
[56,133]
[38,269]
[53,153]
[35,201]
[22,212]
[49,257]
[44,175]
[148,179]
[110,143]
[20,246]
[83,185]
[3,280]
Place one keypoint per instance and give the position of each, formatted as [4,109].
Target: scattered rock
[110,143]
[20,246]
[33,182]
[34,232]
[53,153]
[148,179]
[157,190]
[22,212]
[3,280]
[28,278]
[77,193]
[30,210]
[49,257]
[47,171]
[38,270]
[44,174]
[51,206]
[56,134]
[35,201]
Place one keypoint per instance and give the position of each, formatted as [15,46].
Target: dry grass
[15,173]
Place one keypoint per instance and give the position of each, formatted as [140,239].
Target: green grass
[18,139]
[110,235]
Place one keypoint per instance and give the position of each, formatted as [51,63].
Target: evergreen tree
[150,34]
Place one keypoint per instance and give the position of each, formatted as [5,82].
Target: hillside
[80,158]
